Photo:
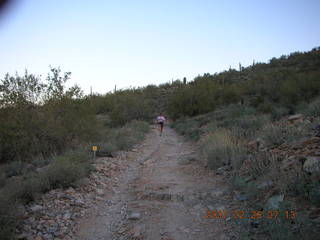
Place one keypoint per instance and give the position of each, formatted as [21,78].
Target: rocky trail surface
[159,190]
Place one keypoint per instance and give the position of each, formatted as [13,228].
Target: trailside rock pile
[53,215]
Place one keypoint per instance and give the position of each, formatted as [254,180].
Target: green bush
[128,105]
[41,118]
[66,169]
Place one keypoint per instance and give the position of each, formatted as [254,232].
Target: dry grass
[220,148]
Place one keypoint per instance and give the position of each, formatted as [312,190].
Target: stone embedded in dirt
[66,216]
[312,165]
[134,216]
[274,202]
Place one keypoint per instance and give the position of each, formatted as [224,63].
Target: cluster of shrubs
[42,117]
[270,88]
[223,136]
[46,134]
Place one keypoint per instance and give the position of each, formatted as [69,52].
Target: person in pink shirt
[160,120]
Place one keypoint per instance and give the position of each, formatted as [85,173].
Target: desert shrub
[122,138]
[233,111]
[132,133]
[265,108]
[189,128]
[261,163]
[273,134]
[220,148]
[8,220]
[312,109]
[41,161]
[298,227]
[61,172]
[278,112]
[66,169]
[249,188]
[27,187]
[314,192]
[128,105]
[14,168]
[247,126]
[277,134]
[306,186]
[42,117]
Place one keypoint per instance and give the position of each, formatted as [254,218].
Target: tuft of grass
[220,148]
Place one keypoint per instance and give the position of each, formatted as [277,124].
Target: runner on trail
[160,121]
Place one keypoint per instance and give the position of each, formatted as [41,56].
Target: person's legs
[161,128]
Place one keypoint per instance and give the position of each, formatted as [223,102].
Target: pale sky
[136,43]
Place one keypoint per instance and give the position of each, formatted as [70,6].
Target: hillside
[255,129]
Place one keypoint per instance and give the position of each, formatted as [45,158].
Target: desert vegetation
[258,126]
[245,122]
[46,134]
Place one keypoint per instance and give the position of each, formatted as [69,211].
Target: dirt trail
[163,194]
